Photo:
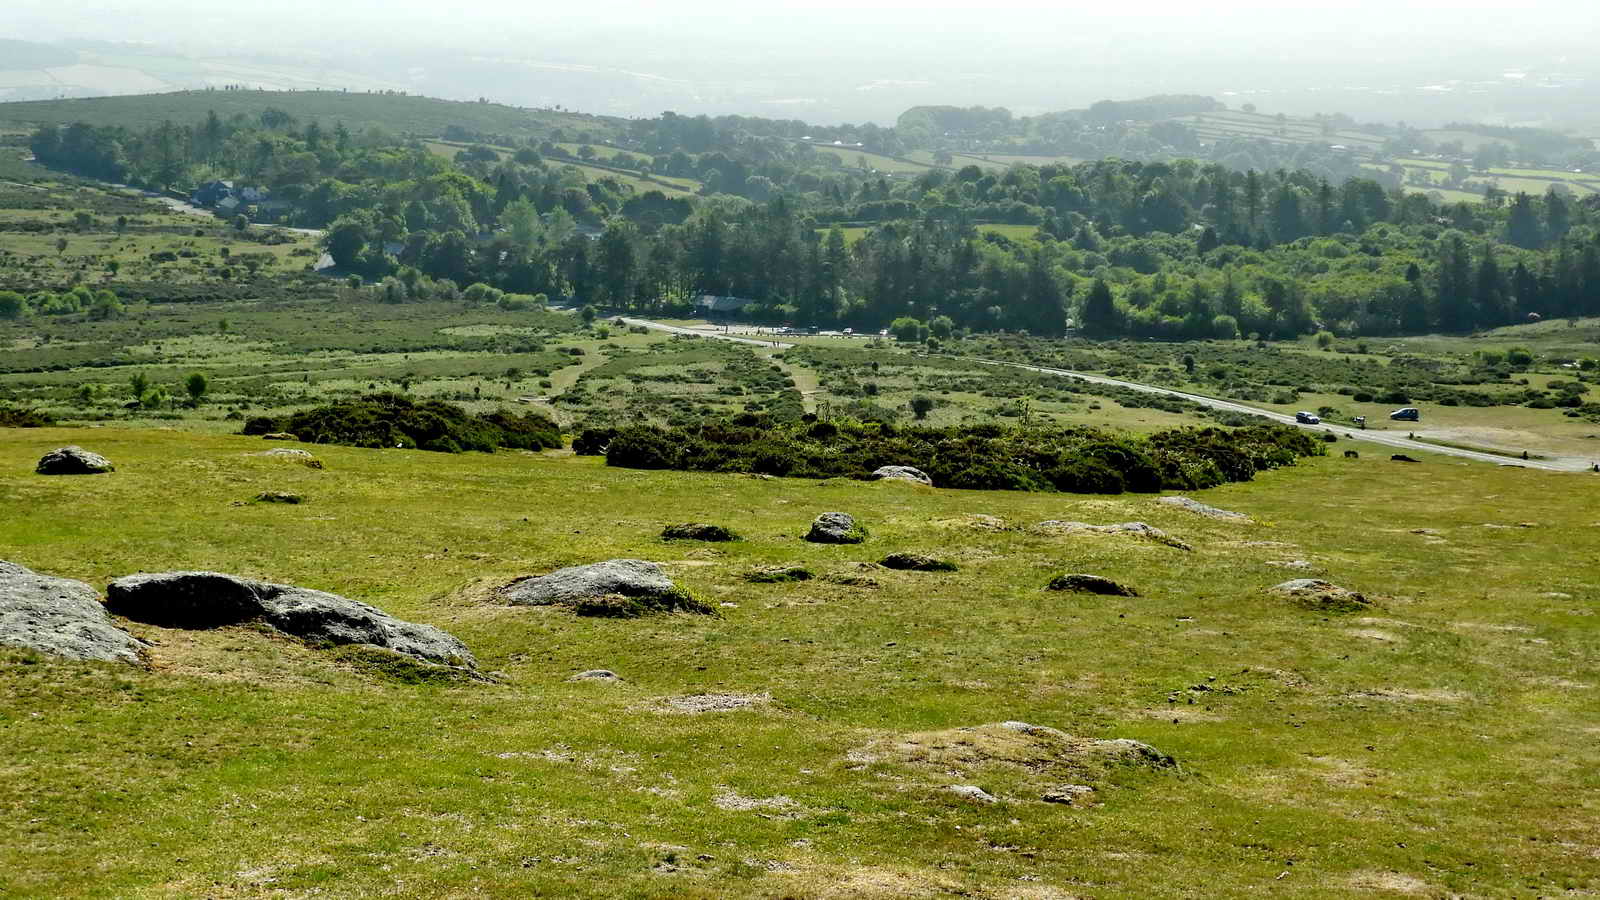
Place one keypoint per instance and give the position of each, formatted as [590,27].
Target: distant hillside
[393,112]
[19,55]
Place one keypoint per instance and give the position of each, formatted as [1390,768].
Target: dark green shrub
[393,420]
[261,425]
[11,417]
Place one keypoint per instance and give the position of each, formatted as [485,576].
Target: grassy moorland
[1434,744]
[391,112]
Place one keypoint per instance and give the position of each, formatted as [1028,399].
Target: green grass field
[852,157]
[1436,744]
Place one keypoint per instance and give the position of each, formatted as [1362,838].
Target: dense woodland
[1165,249]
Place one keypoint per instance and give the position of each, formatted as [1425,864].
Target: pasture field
[1434,742]
[1011,159]
[672,187]
[851,158]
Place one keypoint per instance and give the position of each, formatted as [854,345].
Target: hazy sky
[1566,21]
[831,60]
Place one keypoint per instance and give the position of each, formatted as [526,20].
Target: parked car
[1408,414]
[1305,418]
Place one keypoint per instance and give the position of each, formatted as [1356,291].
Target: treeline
[1178,249]
[1149,250]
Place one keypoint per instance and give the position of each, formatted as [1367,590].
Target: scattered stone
[704,703]
[916,562]
[279,497]
[596,675]
[1315,593]
[1401,457]
[60,617]
[1138,529]
[836,528]
[1069,794]
[902,473]
[852,579]
[280,436]
[73,461]
[972,792]
[698,531]
[1032,759]
[1298,565]
[1352,454]
[293,454]
[1210,512]
[975,521]
[776,574]
[212,599]
[1090,584]
[1427,531]
[733,801]
[615,588]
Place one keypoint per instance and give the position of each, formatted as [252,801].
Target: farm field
[1325,750]
[851,157]
[672,187]
[1003,159]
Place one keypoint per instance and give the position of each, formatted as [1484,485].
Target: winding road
[1394,442]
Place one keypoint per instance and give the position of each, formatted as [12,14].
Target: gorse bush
[977,457]
[11,417]
[393,420]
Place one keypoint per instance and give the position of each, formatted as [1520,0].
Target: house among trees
[713,306]
[222,195]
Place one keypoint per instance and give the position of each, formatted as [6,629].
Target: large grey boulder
[73,461]
[212,599]
[59,616]
[836,528]
[902,473]
[633,578]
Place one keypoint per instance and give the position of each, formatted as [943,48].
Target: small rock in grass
[698,531]
[777,574]
[1068,794]
[1210,512]
[279,497]
[1322,595]
[293,454]
[1090,584]
[972,792]
[620,588]
[1298,565]
[851,579]
[596,675]
[836,528]
[916,562]
[1138,529]
[73,461]
[902,473]
[706,703]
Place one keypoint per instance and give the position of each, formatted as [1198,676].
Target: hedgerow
[978,457]
[393,420]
